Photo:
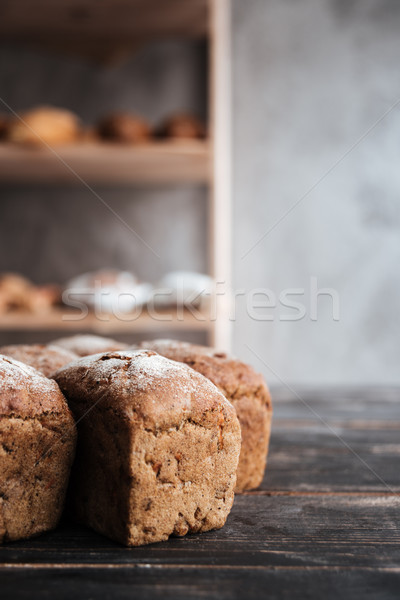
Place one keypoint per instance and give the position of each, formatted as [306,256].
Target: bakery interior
[214,204]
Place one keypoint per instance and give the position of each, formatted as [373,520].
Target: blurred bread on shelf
[43,298]
[123,127]
[107,291]
[87,344]
[182,126]
[44,125]
[14,291]
[18,293]
[183,288]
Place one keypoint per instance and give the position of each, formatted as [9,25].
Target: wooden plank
[99,29]
[220,212]
[104,163]
[344,404]
[149,583]
[336,441]
[312,458]
[277,531]
[64,320]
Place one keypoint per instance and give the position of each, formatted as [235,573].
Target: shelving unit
[182,320]
[152,163]
[108,31]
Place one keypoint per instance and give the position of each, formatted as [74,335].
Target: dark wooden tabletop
[325,523]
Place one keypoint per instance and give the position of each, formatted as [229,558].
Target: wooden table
[325,523]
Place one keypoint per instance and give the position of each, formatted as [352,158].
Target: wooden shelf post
[220,213]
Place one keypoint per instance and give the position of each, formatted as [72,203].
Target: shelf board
[148,163]
[100,29]
[67,320]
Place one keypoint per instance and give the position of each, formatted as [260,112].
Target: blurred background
[311,197]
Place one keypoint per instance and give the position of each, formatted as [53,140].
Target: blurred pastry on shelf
[123,127]
[44,125]
[14,290]
[87,344]
[43,298]
[183,288]
[18,293]
[182,126]
[107,291]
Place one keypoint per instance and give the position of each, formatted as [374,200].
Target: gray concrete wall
[310,79]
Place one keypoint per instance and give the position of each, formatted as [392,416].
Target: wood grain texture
[152,163]
[321,526]
[64,320]
[100,30]
[267,531]
[148,583]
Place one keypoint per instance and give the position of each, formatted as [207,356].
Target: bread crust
[37,445]
[158,447]
[124,128]
[86,344]
[182,126]
[46,359]
[244,388]
[44,125]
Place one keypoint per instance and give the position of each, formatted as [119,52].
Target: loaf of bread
[85,344]
[242,386]
[158,447]
[37,445]
[46,359]
[181,126]
[124,127]
[43,298]
[14,290]
[18,293]
[44,125]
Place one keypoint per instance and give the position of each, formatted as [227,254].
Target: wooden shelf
[151,163]
[106,324]
[110,31]
[100,29]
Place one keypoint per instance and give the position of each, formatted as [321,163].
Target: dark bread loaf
[181,127]
[124,127]
[85,344]
[37,445]
[242,386]
[158,447]
[46,359]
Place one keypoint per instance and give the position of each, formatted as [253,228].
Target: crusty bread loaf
[37,444]
[242,386]
[86,344]
[46,359]
[158,447]
[44,125]
[181,127]
[124,127]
